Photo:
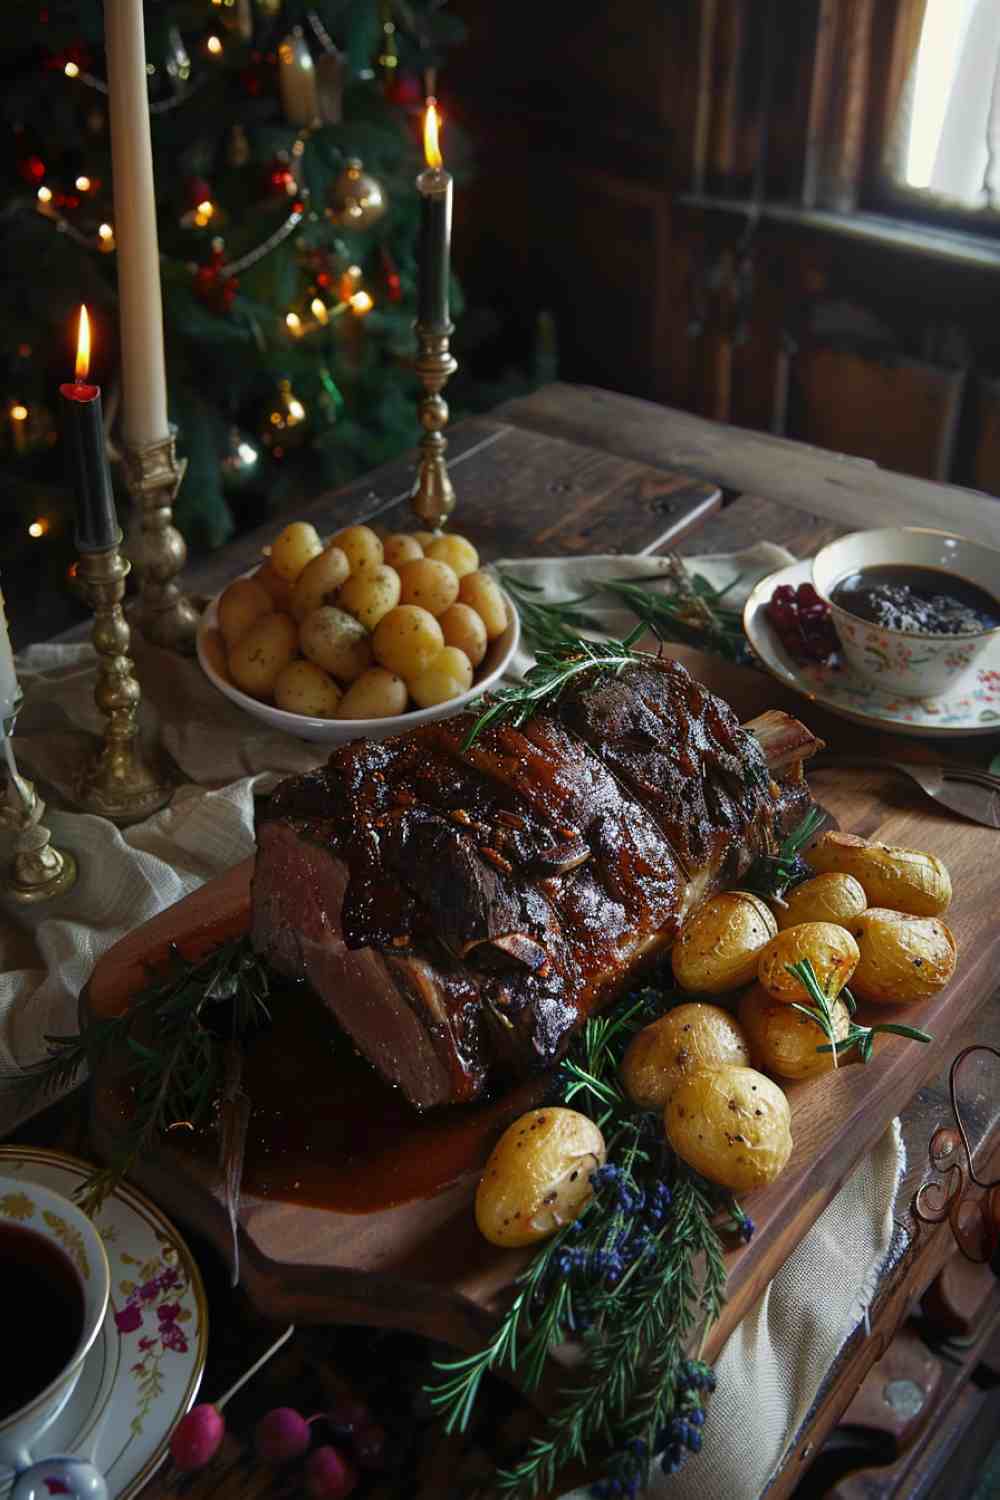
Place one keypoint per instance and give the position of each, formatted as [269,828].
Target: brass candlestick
[433,498]
[167,616]
[118,783]
[38,871]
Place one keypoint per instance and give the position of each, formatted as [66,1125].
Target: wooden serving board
[422,1265]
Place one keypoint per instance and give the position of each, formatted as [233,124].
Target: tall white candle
[144,378]
[8,677]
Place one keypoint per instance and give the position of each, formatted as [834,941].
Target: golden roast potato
[732,1125]
[319,581]
[457,551]
[784,1041]
[824,898]
[336,641]
[260,654]
[243,602]
[370,594]
[831,950]
[462,627]
[376,694]
[406,640]
[482,593]
[429,583]
[688,1038]
[279,588]
[902,958]
[901,879]
[292,548]
[400,547]
[449,675]
[538,1176]
[360,545]
[304,688]
[721,941]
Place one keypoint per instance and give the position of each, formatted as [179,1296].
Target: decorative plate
[972,706]
[144,1370]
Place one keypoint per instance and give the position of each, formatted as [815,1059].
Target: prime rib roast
[465,910]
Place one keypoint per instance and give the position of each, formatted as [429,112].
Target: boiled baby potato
[463,628]
[460,555]
[538,1176]
[830,949]
[783,1040]
[319,581]
[370,594]
[214,650]
[430,584]
[449,674]
[243,602]
[721,941]
[258,656]
[376,694]
[902,958]
[292,548]
[684,1041]
[336,641]
[425,538]
[304,688]
[732,1125]
[279,588]
[482,593]
[406,640]
[362,547]
[401,547]
[901,879]
[825,898]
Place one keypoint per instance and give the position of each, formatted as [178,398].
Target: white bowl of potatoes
[358,636]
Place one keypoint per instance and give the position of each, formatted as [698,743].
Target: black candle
[435,188]
[86,457]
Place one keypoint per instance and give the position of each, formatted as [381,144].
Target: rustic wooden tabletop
[575,470]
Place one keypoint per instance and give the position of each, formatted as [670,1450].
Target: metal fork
[967,790]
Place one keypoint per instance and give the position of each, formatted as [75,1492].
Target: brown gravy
[924,601]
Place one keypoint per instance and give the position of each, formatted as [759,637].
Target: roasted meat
[463,909]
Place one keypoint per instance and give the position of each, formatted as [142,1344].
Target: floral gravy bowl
[912,664]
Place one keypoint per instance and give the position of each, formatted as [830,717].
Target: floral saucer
[972,706]
[143,1372]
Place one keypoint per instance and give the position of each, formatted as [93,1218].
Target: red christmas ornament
[393,284]
[32,169]
[280,180]
[406,91]
[211,287]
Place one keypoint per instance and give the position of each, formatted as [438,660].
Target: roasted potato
[243,602]
[732,1125]
[319,581]
[482,593]
[459,553]
[292,548]
[401,547]
[361,546]
[902,958]
[260,654]
[406,640]
[831,950]
[376,694]
[901,879]
[304,688]
[279,588]
[538,1176]
[784,1041]
[425,538]
[449,674]
[429,583]
[825,898]
[721,941]
[685,1040]
[370,594]
[336,641]
[462,627]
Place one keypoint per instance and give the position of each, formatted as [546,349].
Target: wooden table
[577,470]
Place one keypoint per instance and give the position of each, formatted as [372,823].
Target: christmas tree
[286,145]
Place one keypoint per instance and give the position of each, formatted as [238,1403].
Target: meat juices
[461,909]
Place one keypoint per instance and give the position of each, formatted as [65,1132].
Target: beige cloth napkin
[772,1366]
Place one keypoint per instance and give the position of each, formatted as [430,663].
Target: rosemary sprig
[635,1276]
[771,875]
[821,1011]
[552,673]
[548,625]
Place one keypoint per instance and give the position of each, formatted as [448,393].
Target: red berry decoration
[803,623]
[197,1437]
[281,1435]
[328,1475]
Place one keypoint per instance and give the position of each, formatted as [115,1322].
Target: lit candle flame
[83,348]
[432,124]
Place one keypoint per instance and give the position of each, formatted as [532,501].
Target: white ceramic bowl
[339,731]
[37,1209]
[909,663]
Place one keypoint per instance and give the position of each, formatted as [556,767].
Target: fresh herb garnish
[772,875]
[638,1277]
[821,1011]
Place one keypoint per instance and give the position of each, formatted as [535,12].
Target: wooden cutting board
[422,1265]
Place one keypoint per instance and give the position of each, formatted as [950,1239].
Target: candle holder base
[38,872]
[166,616]
[433,496]
[119,782]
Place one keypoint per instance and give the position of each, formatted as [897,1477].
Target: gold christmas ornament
[286,423]
[356,200]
